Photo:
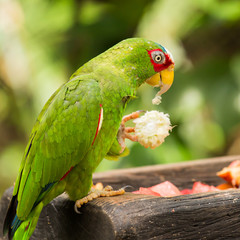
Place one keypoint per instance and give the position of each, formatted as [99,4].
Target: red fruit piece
[166,189]
[199,187]
[186,191]
[145,191]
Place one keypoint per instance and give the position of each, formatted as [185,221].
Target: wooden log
[214,215]
[181,174]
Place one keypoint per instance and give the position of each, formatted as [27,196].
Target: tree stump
[213,215]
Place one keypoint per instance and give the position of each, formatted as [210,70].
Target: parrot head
[145,61]
[163,65]
[137,60]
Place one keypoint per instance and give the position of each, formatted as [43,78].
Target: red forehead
[160,66]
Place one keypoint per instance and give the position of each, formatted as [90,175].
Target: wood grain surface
[214,215]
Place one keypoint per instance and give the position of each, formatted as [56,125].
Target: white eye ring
[158,57]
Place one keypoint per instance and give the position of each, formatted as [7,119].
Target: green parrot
[79,126]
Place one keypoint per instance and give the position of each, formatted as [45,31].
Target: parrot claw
[124,132]
[96,192]
[76,209]
[131,116]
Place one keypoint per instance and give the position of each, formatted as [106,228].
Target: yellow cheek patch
[154,80]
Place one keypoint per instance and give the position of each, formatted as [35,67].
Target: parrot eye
[158,57]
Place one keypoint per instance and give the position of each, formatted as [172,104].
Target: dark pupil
[158,58]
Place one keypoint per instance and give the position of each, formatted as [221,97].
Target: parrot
[80,125]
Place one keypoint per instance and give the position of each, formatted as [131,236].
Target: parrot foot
[124,132]
[96,192]
[131,116]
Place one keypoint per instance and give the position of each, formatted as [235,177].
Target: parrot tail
[27,227]
[11,222]
[16,228]
[22,229]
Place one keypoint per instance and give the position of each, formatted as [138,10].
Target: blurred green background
[42,42]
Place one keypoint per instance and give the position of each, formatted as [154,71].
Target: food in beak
[164,80]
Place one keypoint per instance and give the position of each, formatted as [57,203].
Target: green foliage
[43,42]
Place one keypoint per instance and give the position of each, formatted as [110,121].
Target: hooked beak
[163,79]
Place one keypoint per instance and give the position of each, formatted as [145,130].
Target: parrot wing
[64,132]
